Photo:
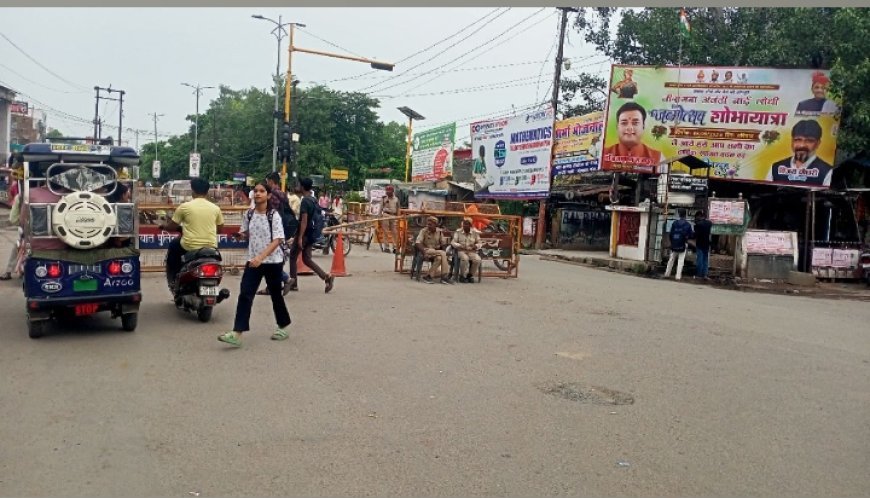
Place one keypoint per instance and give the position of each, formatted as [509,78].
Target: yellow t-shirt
[199,218]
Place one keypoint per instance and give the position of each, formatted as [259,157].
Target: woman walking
[262,227]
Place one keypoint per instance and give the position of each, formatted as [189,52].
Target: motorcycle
[327,242]
[864,263]
[196,288]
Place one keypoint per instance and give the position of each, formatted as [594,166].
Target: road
[568,380]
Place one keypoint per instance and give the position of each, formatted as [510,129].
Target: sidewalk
[601,259]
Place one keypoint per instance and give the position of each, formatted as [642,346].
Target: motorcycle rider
[201,219]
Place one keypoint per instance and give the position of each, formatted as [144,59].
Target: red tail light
[865,260]
[210,270]
[54,270]
[115,268]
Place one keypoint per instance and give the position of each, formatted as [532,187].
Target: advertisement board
[155,169]
[432,156]
[194,164]
[338,174]
[19,107]
[750,124]
[576,147]
[512,156]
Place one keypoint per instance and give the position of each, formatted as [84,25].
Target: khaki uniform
[467,245]
[432,242]
[390,207]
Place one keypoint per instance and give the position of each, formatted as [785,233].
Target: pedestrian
[681,232]
[265,259]
[279,203]
[310,225]
[390,207]
[703,227]
[14,218]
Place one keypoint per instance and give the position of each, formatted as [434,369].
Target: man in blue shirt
[681,232]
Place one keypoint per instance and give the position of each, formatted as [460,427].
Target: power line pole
[198,90]
[542,206]
[155,116]
[98,129]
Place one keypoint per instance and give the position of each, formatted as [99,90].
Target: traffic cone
[301,268]
[337,269]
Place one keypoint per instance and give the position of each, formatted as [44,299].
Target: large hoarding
[750,124]
[576,148]
[432,158]
[512,156]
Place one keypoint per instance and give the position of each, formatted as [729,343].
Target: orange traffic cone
[337,269]
[301,268]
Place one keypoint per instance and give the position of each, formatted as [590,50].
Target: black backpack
[288,218]
[315,223]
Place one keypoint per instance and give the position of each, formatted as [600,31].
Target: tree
[820,38]
[54,133]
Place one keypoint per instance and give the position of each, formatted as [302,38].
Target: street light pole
[279,33]
[198,90]
[288,85]
[412,115]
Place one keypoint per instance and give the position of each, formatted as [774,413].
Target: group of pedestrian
[683,235]
[277,227]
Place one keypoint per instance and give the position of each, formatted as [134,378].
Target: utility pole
[542,206]
[97,122]
[155,116]
[279,33]
[198,90]
[288,85]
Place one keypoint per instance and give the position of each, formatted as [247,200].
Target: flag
[685,29]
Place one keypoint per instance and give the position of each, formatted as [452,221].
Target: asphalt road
[568,381]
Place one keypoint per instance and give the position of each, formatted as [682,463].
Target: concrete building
[7,97]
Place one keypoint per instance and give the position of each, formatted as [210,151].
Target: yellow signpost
[338,174]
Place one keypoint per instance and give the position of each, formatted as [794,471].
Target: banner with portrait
[750,124]
[512,156]
[576,148]
[432,156]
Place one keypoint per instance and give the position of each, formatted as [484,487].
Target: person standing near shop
[681,232]
[262,228]
[703,229]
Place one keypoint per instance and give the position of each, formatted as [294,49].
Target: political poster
[749,124]
[432,156]
[576,148]
[512,156]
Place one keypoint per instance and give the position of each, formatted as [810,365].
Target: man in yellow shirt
[201,220]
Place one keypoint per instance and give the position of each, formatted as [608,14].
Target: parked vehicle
[328,242]
[81,252]
[197,287]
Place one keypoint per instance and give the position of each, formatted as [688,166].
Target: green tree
[54,133]
[820,38]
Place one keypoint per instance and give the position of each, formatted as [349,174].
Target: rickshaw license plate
[85,285]
[86,309]
[208,291]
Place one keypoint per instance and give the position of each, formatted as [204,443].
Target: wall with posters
[750,124]
[576,148]
[512,156]
[432,155]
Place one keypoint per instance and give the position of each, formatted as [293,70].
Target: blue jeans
[251,279]
[702,262]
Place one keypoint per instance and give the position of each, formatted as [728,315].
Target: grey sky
[149,52]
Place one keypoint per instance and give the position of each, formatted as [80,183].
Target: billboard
[19,107]
[512,156]
[750,124]
[432,156]
[576,148]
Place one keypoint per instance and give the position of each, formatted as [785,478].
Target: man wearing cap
[466,243]
[430,241]
[819,104]
[390,207]
[803,167]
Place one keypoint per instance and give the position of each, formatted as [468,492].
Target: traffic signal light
[286,141]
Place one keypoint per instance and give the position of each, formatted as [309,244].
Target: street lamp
[288,87]
[279,33]
[412,115]
[198,90]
